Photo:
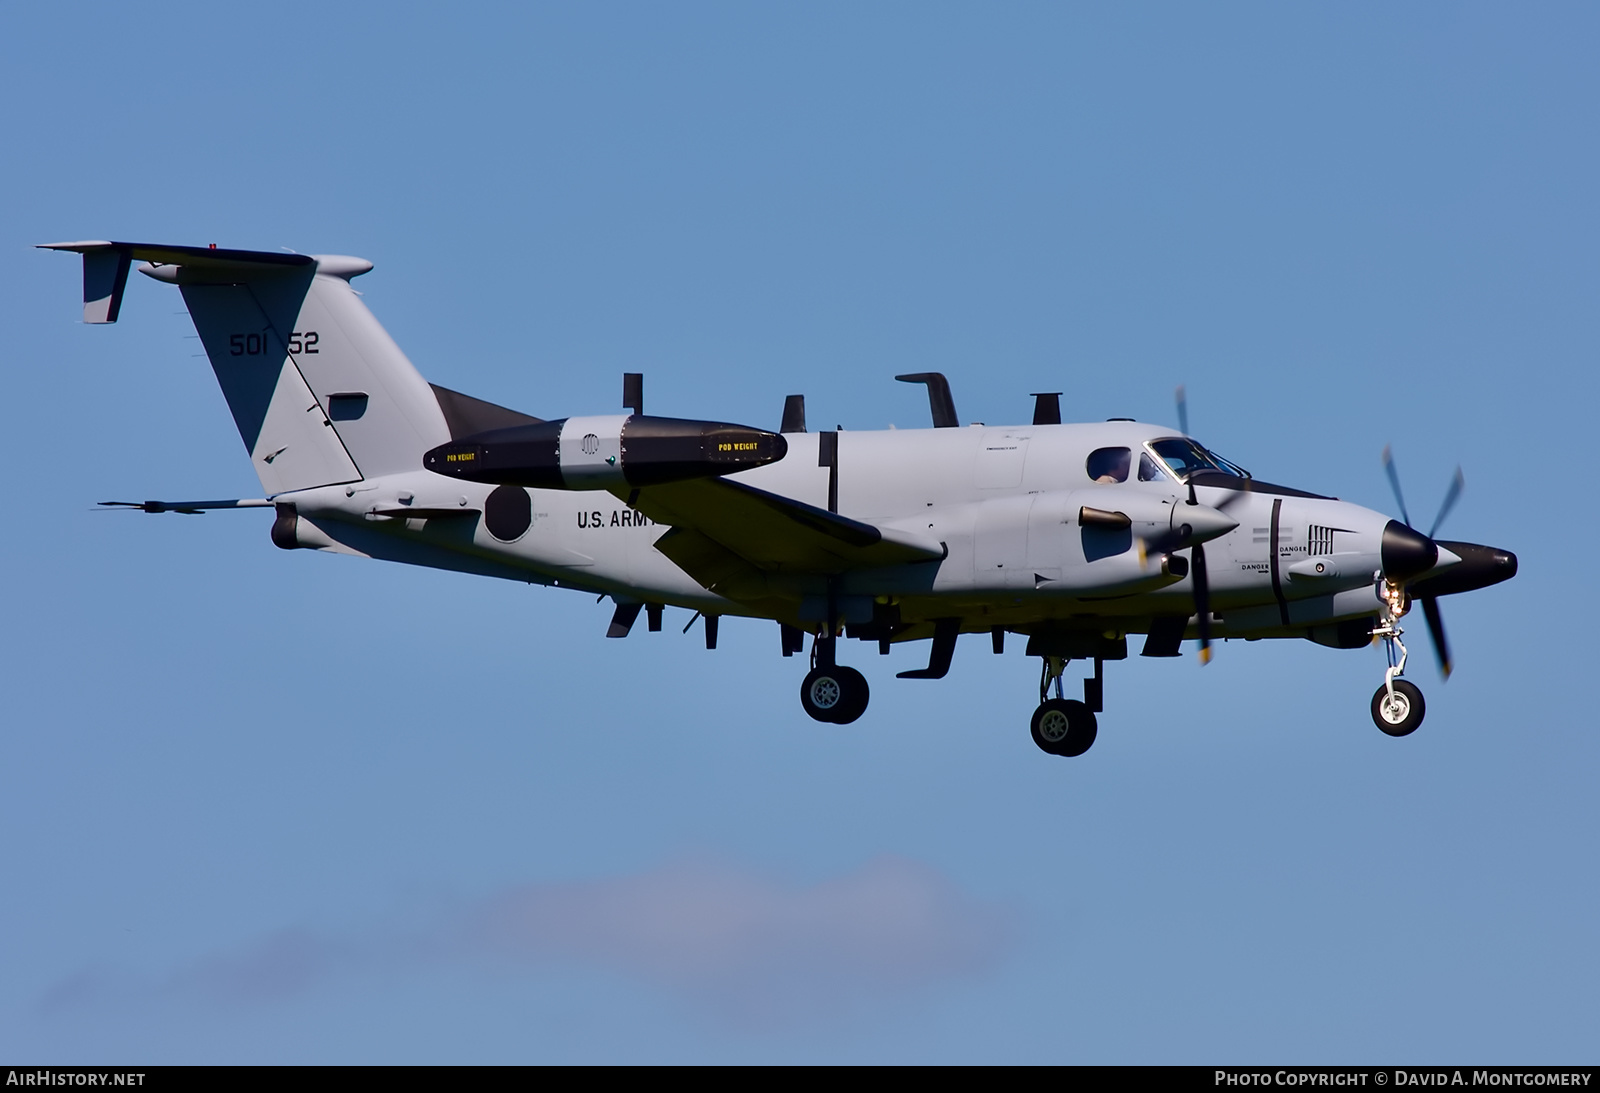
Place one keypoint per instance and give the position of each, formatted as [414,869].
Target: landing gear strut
[831,692]
[1064,726]
[1397,706]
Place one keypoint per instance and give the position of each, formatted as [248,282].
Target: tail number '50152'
[253,345]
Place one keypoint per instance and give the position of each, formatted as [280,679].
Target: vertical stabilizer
[320,392]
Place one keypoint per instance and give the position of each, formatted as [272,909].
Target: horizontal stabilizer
[408,512]
[190,508]
[106,264]
[175,254]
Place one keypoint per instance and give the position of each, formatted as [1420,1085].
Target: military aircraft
[1073,536]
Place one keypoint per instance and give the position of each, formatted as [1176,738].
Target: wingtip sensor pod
[596,453]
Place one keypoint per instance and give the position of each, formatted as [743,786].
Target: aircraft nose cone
[1406,552]
[1480,567]
[1490,565]
[1505,565]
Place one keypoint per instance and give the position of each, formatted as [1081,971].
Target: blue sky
[286,807]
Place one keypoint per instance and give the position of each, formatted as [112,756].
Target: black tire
[1403,715]
[836,695]
[1064,726]
[856,696]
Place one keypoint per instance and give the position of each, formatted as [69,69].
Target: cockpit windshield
[1185,457]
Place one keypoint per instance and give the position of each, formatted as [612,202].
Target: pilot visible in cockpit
[1108,466]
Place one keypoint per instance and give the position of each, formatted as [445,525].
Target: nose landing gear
[1063,726]
[1397,706]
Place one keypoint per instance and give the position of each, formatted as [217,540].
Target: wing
[722,528]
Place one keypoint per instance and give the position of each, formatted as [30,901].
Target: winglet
[105,275]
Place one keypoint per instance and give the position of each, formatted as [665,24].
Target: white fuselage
[1005,501]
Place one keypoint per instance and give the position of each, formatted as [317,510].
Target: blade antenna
[1394,483]
[1452,495]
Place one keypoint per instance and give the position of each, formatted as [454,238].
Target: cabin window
[1109,466]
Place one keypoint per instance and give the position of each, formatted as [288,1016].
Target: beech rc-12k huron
[1071,536]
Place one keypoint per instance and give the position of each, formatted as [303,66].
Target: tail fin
[320,392]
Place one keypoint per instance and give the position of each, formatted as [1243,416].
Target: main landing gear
[832,692]
[1065,726]
[1397,706]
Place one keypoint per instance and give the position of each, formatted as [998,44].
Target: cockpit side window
[1185,457]
[1109,466]
[1228,465]
[1150,470]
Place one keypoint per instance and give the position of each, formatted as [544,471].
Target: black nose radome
[1406,552]
[1480,567]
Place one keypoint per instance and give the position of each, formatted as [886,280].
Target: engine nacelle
[1161,522]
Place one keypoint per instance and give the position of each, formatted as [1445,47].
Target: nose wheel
[1399,711]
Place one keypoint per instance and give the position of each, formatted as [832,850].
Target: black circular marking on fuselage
[508,512]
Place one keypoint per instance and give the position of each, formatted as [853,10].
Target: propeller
[1181,537]
[1394,483]
[1196,571]
[1441,647]
[1197,552]
[1430,604]
[1452,495]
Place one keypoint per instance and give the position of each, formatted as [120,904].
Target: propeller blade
[1202,599]
[1232,499]
[1452,495]
[1394,482]
[1430,611]
[1183,410]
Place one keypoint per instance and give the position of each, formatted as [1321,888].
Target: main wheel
[1064,726]
[1401,714]
[837,695]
